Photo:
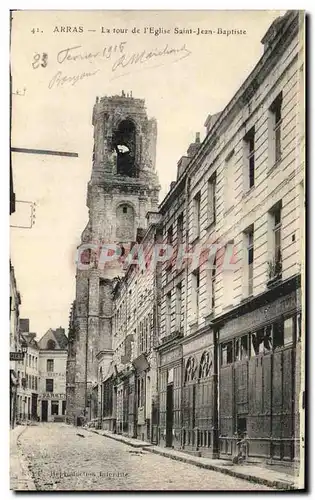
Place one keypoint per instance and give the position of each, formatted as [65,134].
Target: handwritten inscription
[120,60]
[148,55]
[73,54]
[59,79]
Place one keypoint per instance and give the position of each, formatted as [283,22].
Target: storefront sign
[16,356]
[51,395]
[255,318]
[170,356]
[197,344]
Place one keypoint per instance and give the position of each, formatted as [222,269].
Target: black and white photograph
[157,250]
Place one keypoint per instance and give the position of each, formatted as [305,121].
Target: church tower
[123,187]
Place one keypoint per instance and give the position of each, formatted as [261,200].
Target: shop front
[199,401]
[52,407]
[259,387]
[170,395]
[124,392]
[143,409]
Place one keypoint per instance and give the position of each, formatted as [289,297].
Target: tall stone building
[122,189]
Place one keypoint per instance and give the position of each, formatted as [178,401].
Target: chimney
[194,146]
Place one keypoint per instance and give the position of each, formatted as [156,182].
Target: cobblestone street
[61,459]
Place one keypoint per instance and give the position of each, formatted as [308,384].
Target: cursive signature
[139,58]
[58,80]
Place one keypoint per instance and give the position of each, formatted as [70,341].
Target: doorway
[34,406]
[169,416]
[44,411]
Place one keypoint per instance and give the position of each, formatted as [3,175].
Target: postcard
[157,222]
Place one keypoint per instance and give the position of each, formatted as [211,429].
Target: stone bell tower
[123,187]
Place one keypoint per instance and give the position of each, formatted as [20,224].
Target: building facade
[15,344]
[52,376]
[241,348]
[28,378]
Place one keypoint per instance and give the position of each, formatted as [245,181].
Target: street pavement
[63,457]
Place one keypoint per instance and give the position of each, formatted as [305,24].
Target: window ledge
[274,166]
[228,211]
[209,317]
[195,239]
[210,225]
[193,324]
[248,192]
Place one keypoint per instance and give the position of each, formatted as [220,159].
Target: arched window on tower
[125,223]
[124,143]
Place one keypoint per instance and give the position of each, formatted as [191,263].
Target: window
[211,281]
[36,384]
[249,261]
[55,407]
[141,338]
[229,182]
[140,392]
[288,330]
[50,365]
[211,199]
[274,245]
[278,335]
[125,210]
[261,341]
[275,119]
[277,234]
[64,407]
[298,327]
[168,312]
[169,237]
[196,216]
[26,381]
[195,293]
[249,154]
[227,353]
[179,306]
[241,348]
[49,385]
[180,229]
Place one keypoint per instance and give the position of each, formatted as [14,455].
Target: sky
[55,113]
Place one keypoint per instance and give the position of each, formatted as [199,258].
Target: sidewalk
[20,477]
[253,473]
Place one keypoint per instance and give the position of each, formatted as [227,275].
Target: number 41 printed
[40,60]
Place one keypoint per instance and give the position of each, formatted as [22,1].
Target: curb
[25,466]
[277,484]
[224,470]
[121,440]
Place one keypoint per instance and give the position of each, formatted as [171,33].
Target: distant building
[28,377]
[53,348]
[15,344]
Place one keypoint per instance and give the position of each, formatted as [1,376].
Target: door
[34,407]
[169,415]
[44,411]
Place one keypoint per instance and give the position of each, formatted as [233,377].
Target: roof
[61,338]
